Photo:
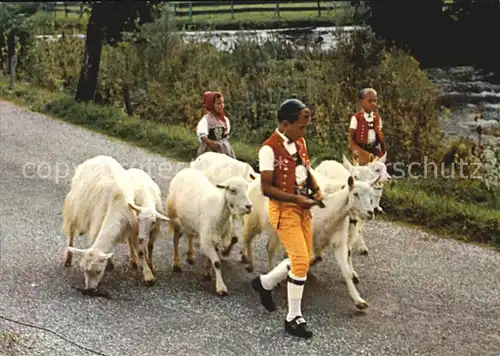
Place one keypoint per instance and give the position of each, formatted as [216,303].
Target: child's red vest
[364,126]
[284,166]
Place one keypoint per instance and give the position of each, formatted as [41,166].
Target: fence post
[232,9]
[319,8]
[278,8]
[190,11]
[66,10]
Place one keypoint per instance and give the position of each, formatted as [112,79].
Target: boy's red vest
[364,126]
[284,167]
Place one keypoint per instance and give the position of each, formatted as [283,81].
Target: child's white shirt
[202,127]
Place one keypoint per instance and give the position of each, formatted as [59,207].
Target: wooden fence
[65,7]
[190,9]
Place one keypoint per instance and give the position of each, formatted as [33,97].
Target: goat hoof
[177,269]
[67,264]
[190,260]
[363,252]
[355,279]
[249,268]
[150,283]
[361,305]
[133,265]
[244,258]
[226,252]
[207,277]
[222,293]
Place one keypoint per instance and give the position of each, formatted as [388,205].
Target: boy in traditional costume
[292,191]
[366,139]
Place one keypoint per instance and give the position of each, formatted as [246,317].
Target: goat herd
[111,205]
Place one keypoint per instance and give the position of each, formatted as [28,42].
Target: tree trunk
[126,100]
[11,49]
[89,73]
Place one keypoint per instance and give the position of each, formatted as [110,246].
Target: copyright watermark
[60,172]
[432,170]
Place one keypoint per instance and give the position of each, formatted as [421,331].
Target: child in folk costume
[213,128]
[286,180]
[366,139]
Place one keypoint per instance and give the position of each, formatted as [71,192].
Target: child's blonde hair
[365,91]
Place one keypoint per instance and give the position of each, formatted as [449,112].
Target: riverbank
[459,211]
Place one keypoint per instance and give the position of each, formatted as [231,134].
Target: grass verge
[404,201]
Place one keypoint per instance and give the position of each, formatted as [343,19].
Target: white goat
[219,167]
[100,205]
[330,226]
[196,207]
[376,168]
[148,205]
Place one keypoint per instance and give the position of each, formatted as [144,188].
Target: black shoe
[298,327]
[266,297]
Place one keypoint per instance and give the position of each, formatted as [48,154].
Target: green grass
[433,205]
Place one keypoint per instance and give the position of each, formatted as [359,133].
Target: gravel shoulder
[426,295]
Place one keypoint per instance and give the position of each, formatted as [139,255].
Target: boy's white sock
[276,275]
[295,288]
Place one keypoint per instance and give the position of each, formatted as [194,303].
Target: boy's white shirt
[202,127]
[267,160]
[371,132]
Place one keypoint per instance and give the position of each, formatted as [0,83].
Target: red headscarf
[208,104]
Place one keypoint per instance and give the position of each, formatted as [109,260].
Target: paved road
[428,296]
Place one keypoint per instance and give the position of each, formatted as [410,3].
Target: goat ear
[75,250]
[161,217]
[350,183]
